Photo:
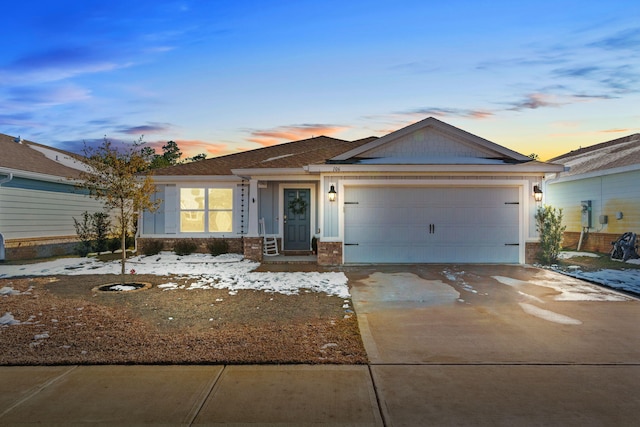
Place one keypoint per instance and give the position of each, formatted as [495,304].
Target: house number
[336,168]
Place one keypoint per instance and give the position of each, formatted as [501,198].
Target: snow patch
[228,271]
[568,255]
[8,319]
[569,288]
[548,315]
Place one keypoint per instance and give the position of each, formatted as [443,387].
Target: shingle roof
[24,156]
[612,154]
[287,155]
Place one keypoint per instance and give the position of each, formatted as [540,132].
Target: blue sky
[222,76]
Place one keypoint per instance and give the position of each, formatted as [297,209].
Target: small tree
[101,225]
[549,225]
[120,178]
[85,232]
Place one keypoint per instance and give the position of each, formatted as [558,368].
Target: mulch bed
[63,320]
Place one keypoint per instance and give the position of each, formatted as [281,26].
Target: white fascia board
[268,171]
[299,177]
[170,179]
[38,176]
[595,174]
[506,168]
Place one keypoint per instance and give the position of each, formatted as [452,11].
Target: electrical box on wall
[603,219]
[585,216]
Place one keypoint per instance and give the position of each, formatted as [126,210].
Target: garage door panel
[431,224]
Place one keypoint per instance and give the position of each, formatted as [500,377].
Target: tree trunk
[123,245]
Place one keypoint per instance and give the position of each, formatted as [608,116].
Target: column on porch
[252,240]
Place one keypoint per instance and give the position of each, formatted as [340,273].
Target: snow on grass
[624,280]
[229,271]
[570,254]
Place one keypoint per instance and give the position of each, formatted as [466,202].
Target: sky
[220,76]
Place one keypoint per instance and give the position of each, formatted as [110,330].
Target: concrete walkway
[188,395]
[392,395]
[481,345]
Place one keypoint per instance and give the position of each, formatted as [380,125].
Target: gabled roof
[424,135]
[614,154]
[28,158]
[290,155]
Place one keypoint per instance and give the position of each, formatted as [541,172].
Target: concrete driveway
[497,345]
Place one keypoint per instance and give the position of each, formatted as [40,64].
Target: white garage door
[431,225]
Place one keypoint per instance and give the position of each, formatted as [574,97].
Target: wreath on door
[298,206]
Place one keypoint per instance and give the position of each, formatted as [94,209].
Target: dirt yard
[61,320]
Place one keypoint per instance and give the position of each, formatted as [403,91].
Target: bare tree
[120,178]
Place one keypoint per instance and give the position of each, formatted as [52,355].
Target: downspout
[4,181]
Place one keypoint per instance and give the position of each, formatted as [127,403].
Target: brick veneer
[235,245]
[591,242]
[531,251]
[329,253]
[253,248]
[17,249]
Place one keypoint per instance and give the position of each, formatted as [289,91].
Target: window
[206,209]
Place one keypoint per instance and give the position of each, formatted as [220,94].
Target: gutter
[6,179]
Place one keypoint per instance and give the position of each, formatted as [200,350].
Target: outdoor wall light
[537,193]
[332,193]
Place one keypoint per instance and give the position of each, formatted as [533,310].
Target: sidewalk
[298,395]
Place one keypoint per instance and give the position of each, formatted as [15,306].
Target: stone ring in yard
[119,287]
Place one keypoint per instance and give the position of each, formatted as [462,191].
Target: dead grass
[76,325]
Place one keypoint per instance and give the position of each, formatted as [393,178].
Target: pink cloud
[280,134]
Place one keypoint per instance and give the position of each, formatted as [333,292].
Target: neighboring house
[38,199]
[427,193]
[599,194]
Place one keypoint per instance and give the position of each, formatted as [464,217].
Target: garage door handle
[512,244]
[432,228]
[352,244]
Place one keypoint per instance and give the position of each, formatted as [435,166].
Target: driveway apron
[497,345]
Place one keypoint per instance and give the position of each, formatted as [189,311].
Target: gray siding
[33,213]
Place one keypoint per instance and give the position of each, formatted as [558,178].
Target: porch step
[290,259]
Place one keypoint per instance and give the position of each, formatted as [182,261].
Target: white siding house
[599,193]
[38,200]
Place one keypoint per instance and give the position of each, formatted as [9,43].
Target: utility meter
[585,215]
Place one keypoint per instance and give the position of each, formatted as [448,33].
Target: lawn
[198,310]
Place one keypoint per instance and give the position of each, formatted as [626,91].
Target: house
[599,194]
[38,199]
[427,193]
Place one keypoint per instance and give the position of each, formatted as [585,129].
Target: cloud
[152,128]
[623,40]
[24,119]
[293,133]
[47,95]
[450,112]
[625,130]
[534,101]
[190,148]
[57,64]
[621,79]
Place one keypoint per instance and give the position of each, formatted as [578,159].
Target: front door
[297,220]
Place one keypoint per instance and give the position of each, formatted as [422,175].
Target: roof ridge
[599,146]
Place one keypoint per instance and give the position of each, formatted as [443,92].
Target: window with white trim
[206,210]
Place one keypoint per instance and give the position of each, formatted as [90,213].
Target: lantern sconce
[332,193]
[537,193]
